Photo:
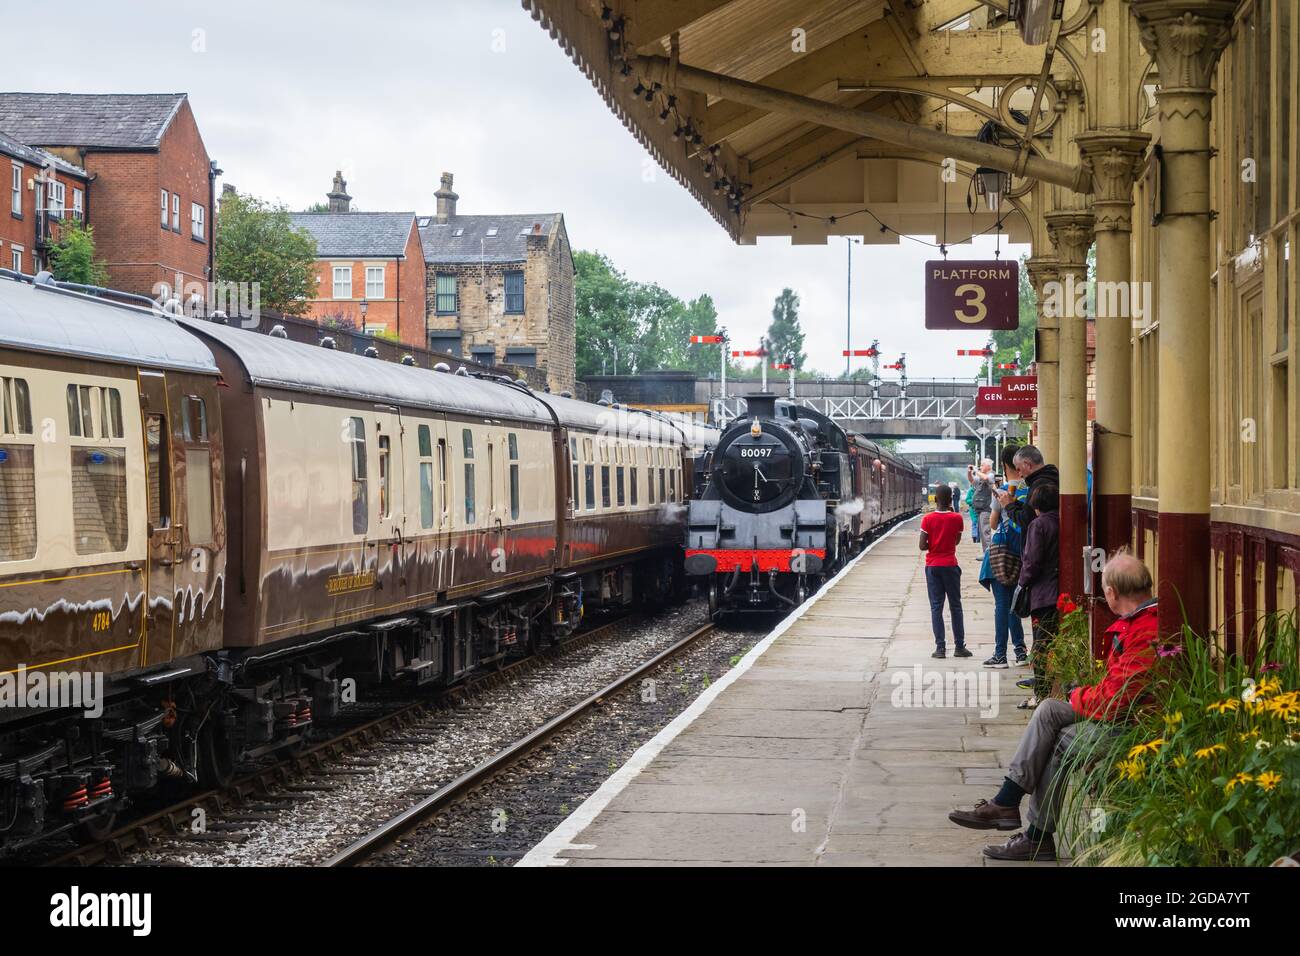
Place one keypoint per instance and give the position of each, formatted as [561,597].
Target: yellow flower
[1173,720]
[1130,769]
[1268,780]
[1209,751]
[1223,706]
[1267,686]
[1237,780]
[1248,734]
[1180,761]
[1151,745]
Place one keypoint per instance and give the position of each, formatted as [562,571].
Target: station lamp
[1033,18]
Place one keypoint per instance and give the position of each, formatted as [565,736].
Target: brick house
[148,170]
[369,268]
[43,191]
[501,288]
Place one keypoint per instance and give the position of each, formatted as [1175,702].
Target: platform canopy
[792,117]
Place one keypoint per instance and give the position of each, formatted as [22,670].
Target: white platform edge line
[562,837]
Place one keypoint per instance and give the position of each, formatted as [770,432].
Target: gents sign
[1015,395]
[982,294]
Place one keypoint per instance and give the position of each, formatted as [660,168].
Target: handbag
[1020,601]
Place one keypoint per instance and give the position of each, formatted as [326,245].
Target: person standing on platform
[981,481]
[1029,466]
[1040,576]
[1001,568]
[940,531]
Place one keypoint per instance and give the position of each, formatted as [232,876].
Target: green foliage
[784,335]
[72,256]
[646,325]
[257,242]
[1209,773]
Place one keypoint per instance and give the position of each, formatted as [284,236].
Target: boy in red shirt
[940,532]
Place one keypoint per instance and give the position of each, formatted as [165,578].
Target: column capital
[1185,37]
[1071,235]
[1041,269]
[1114,158]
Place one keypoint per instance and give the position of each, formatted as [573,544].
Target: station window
[426,477]
[467,438]
[618,480]
[514,475]
[604,486]
[360,497]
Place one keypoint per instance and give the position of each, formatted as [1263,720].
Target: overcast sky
[393,92]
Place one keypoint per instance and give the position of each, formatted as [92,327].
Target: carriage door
[392,531]
[164,528]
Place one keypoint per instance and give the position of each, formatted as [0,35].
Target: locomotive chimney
[762,404]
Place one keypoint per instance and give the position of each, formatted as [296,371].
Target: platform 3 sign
[981,294]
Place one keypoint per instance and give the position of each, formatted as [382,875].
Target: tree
[257,243]
[1020,341]
[72,256]
[605,326]
[784,336]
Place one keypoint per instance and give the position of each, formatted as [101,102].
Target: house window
[163,205]
[176,212]
[374,282]
[16,258]
[342,282]
[16,193]
[445,303]
[78,205]
[196,220]
[483,354]
[58,195]
[515,292]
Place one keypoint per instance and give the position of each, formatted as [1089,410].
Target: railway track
[379,839]
[271,783]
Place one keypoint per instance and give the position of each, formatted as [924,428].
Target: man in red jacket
[1059,729]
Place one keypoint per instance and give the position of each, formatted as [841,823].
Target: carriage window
[196,418]
[81,423]
[632,479]
[198,494]
[514,475]
[492,477]
[82,403]
[17,503]
[662,497]
[467,438]
[650,484]
[111,414]
[159,472]
[426,477]
[442,474]
[672,484]
[385,476]
[99,499]
[604,486]
[619,486]
[17,406]
[360,499]
[591,488]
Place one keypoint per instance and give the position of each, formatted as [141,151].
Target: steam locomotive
[788,497]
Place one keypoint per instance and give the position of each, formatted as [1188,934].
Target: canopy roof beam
[677,75]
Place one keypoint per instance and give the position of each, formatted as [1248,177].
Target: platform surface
[838,741]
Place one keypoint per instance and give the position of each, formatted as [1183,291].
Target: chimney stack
[446,200]
[338,196]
